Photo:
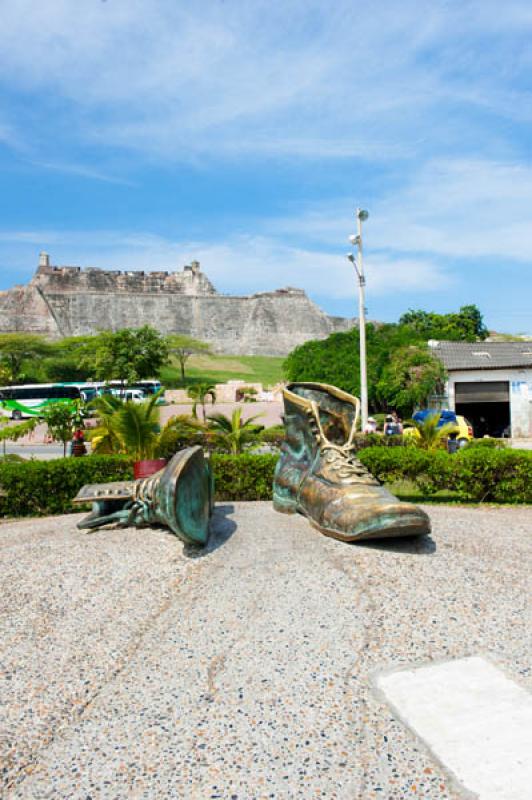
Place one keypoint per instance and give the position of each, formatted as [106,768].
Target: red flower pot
[143,469]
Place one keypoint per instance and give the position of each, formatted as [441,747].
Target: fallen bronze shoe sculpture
[180,496]
[319,476]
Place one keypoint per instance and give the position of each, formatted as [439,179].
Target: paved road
[134,667]
[42,452]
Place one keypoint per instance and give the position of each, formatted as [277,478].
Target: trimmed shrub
[274,435]
[363,440]
[504,476]
[243,477]
[37,488]
[476,474]
[487,442]
[177,440]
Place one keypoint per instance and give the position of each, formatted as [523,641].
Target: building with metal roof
[489,383]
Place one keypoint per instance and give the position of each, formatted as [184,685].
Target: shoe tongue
[335,426]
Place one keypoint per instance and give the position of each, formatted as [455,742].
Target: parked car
[129,395]
[462,431]
[465,430]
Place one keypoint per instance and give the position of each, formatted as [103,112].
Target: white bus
[32,400]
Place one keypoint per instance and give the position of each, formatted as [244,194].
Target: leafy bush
[487,443]
[243,477]
[503,476]
[37,488]
[391,464]
[13,457]
[247,394]
[363,440]
[478,475]
[178,439]
[274,435]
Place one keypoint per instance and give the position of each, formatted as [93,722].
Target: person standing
[371,425]
[391,427]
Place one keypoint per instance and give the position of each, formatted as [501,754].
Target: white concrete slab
[475,720]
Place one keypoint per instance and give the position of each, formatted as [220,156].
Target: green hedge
[37,488]
[476,474]
[245,477]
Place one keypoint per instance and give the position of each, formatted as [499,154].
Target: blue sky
[244,133]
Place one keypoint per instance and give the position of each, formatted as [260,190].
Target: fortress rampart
[70,301]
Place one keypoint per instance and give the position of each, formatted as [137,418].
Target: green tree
[234,434]
[11,433]
[401,372]
[6,376]
[466,326]
[72,358]
[182,347]
[410,377]
[16,348]
[473,314]
[336,360]
[129,354]
[62,419]
[198,393]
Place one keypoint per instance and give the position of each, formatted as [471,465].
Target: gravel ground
[132,667]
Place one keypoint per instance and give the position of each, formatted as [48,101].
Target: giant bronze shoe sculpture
[180,496]
[318,475]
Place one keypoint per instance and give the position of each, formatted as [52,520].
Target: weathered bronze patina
[180,497]
[319,476]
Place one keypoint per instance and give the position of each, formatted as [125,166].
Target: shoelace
[341,459]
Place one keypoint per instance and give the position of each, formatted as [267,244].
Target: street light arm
[350,257]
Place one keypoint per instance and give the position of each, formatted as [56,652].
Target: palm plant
[429,435]
[198,393]
[104,437]
[134,428]
[234,434]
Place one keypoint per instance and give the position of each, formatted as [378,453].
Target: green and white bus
[32,400]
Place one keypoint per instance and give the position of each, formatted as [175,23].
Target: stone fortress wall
[70,301]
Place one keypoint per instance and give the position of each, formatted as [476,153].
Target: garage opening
[486,405]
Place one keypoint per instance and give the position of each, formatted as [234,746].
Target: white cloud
[240,265]
[451,209]
[462,208]
[81,170]
[277,78]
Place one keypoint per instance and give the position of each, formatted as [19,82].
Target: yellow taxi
[461,430]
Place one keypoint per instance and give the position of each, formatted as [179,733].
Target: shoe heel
[286,505]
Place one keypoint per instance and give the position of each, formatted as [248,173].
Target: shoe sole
[407,528]
[391,532]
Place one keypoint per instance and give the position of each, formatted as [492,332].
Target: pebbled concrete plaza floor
[134,667]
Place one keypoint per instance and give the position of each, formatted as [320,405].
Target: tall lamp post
[358,263]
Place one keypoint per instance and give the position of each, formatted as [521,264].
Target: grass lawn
[220,369]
